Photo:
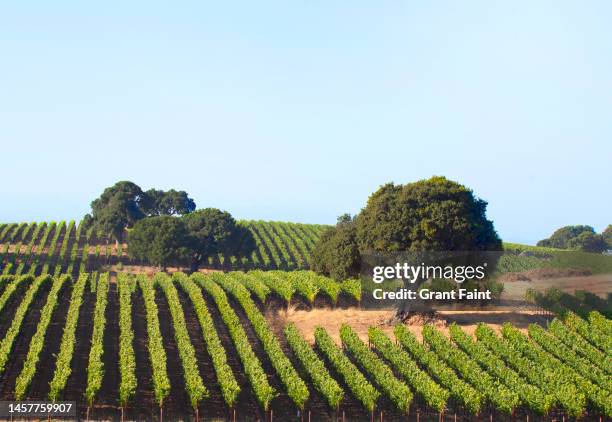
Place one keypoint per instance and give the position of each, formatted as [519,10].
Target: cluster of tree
[582,238]
[120,206]
[164,227]
[188,240]
[436,214]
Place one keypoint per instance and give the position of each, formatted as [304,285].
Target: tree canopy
[588,242]
[161,241]
[120,206]
[436,214]
[189,239]
[214,231]
[560,238]
[337,254]
[579,237]
[117,208]
[172,202]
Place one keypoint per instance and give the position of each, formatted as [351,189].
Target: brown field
[599,284]
[361,319]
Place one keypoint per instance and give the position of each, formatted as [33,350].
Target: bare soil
[246,407]
[145,407]
[214,405]
[545,273]
[362,319]
[284,409]
[177,405]
[110,382]
[77,381]
[22,343]
[599,284]
[10,307]
[53,338]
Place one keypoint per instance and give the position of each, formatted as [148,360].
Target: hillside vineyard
[200,346]
[59,248]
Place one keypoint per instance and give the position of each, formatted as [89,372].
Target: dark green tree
[172,202]
[160,241]
[436,214]
[561,237]
[86,222]
[214,231]
[117,208]
[336,253]
[588,242]
[429,215]
[607,236]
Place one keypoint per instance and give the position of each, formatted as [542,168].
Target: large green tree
[561,237]
[433,215]
[171,202]
[161,241]
[123,204]
[337,254]
[189,239]
[436,214]
[117,208]
[214,231]
[588,242]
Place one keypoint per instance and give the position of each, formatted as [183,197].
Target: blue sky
[299,110]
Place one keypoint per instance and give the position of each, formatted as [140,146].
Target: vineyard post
[381,416]
[309,416]
[343,416]
[271,415]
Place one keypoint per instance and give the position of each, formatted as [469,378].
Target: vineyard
[66,248]
[523,258]
[206,346]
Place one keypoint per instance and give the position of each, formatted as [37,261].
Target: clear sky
[299,110]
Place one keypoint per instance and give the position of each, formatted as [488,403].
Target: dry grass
[361,319]
[599,284]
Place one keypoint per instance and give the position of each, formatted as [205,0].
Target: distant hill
[524,258]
